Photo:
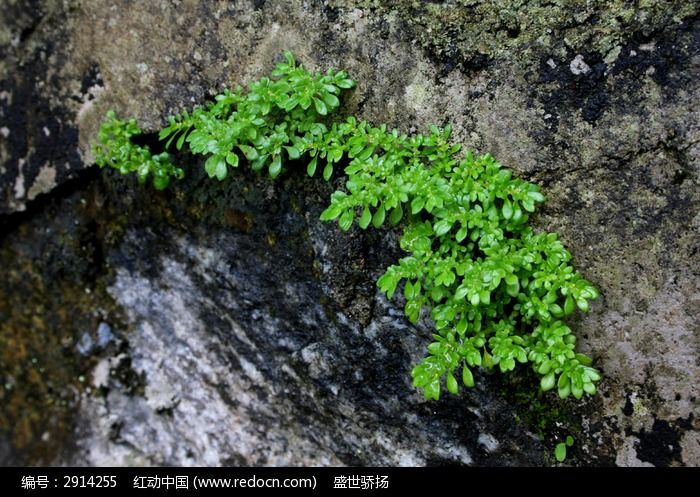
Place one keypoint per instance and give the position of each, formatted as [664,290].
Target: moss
[472,32]
[548,417]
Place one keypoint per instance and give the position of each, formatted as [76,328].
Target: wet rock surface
[245,360]
[244,331]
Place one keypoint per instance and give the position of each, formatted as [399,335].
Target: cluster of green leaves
[496,290]
[278,118]
[115,148]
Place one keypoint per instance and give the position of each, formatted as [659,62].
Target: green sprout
[560,449]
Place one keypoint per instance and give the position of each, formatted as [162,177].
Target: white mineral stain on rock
[488,441]
[44,182]
[579,66]
[19,181]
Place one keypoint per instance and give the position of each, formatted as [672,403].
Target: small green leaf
[442,227]
[564,386]
[232,159]
[181,141]
[328,171]
[396,215]
[365,153]
[345,221]
[378,218]
[485,297]
[420,379]
[547,381]
[592,374]
[461,292]
[311,168]
[412,310]
[461,234]
[331,100]
[432,390]
[568,305]
[387,284]
[412,290]
[345,83]
[514,289]
[293,152]
[289,57]
[560,452]
[507,209]
[275,166]
[452,384]
[331,212]
[488,360]
[517,214]
[215,166]
[536,196]
[249,152]
[320,106]
[365,219]
[467,377]
[584,359]
[461,326]
[474,299]
[258,163]
[417,205]
[569,440]
[576,389]
[161,182]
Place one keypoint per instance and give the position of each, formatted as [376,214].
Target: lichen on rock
[616,149]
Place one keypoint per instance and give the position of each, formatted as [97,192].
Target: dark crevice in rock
[10,222]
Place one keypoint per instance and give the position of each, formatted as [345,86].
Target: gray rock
[104,335]
[242,364]
[85,345]
[266,364]
[579,66]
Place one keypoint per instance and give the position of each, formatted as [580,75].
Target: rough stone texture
[244,364]
[594,101]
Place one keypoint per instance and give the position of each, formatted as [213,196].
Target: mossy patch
[469,33]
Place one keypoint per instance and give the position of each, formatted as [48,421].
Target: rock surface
[244,330]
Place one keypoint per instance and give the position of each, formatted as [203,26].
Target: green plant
[496,290]
[560,449]
[116,149]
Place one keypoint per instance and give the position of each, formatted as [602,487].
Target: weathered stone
[269,318]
